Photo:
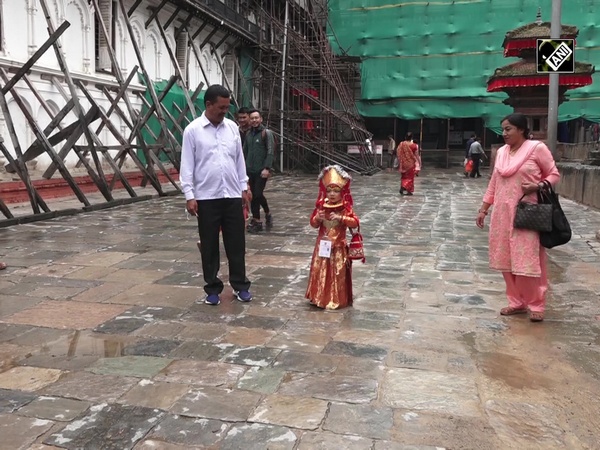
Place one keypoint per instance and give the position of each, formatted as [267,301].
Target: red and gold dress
[330,280]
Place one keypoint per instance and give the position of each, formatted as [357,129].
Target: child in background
[330,280]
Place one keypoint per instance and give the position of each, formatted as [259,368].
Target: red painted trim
[571,81]
[15,191]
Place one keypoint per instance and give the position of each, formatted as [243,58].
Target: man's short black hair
[244,110]
[254,110]
[215,91]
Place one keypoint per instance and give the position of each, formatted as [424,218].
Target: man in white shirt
[214,182]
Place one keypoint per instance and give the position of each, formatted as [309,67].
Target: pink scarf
[508,165]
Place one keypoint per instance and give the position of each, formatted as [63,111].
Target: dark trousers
[227,215]
[391,163]
[476,161]
[257,187]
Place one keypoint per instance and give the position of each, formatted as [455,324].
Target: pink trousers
[528,292]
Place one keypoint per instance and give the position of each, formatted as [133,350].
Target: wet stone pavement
[102,345]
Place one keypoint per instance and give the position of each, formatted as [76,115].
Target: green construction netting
[432,59]
[175,96]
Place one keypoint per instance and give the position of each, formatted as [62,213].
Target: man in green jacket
[259,149]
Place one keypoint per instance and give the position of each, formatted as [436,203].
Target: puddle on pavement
[502,367]
[86,344]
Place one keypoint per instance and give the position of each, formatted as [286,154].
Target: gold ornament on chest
[329,224]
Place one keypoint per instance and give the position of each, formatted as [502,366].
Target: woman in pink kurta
[520,168]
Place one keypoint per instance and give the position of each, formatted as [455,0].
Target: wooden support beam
[196,52]
[199,30]
[122,91]
[227,85]
[60,56]
[4,210]
[37,148]
[208,38]
[37,55]
[218,44]
[171,19]
[150,85]
[44,140]
[119,77]
[183,26]
[177,68]
[153,108]
[132,9]
[24,175]
[155,13]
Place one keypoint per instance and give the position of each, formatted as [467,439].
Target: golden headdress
[334,176]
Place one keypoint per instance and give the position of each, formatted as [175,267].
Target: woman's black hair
[520,121]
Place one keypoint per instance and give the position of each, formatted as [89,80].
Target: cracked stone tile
[330,387]
[206,351]
[28,379]
[65,314]
[523,423]
[216,403]
[90,387]
[363,420]
[388,445]
[329,441]
[11,304]
[130,366]
[258,437]
[267,323]
[151,347]
[116,426]
[294,412]
[356,350]
[247,336]
[54,408]
[189,432]
[155,444]
[265,380]
[160,330]
[300,340]
[154,394]
[157,295]
[201,373]
[20,432]
[430,391]
[252,356]
[12,400]
[306,362]
[201,331]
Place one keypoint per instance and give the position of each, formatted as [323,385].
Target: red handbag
[469,166]
[356,250]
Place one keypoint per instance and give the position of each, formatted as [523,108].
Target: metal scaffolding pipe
[283,67]
[555,31]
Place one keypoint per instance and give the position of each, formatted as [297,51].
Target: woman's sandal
[510,311]
[3,266]
[536,316]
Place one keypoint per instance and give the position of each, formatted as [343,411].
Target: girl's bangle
[484,212]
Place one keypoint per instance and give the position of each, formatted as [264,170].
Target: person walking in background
[391,147]
[521,167]
[407,163]
[467,148]
[214,182]
[259,148]
[330,279]
[243,120]
[475,154]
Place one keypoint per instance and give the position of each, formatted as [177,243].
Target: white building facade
[23,29]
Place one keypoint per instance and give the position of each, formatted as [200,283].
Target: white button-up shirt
[212,161]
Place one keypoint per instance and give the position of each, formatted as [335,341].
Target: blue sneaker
[212,299]
[243,296]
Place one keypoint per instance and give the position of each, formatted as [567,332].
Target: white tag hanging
[325,248]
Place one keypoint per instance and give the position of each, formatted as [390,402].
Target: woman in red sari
[407,164]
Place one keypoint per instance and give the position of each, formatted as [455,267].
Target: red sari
[407,163]
[330,279]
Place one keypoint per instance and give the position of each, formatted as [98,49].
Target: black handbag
[561,230]
[533,216]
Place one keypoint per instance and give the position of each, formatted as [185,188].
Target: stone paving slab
[106,343]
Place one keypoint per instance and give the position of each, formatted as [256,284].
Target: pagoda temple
[527,90]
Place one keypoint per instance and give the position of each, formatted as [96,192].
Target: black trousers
[226,215]
[257,187]
[476,161]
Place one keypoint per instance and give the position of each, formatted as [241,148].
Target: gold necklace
[512,152]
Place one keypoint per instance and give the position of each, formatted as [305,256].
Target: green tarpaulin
[432,59]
